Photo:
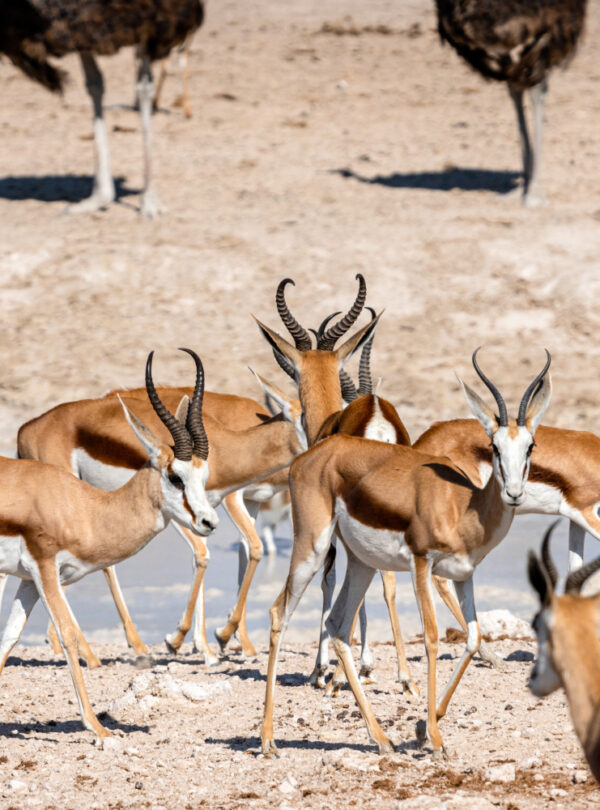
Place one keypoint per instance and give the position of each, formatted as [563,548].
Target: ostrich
[518,42]
[31,31]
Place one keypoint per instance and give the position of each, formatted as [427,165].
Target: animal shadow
[502,182]
[70,188]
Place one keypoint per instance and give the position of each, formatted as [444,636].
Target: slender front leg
[22,605]
[352,593]
[308,555]
[200,562]
[48,586]
[103,192]
[576,546]
[389,594]
[444,588]
[151,206]
[421,575]
[317,677]
[467,602]
[236,509]
[526,152]
[535,195]
[133,639]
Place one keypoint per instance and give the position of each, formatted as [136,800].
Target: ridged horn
[365,381]
[194,422]
[531,390]
[546,556]
[502,412]
[349,392]
[182,441]
[331,336]
[576,580]
[320,331]
[285,364]
[301,337]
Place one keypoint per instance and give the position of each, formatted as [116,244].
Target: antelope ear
[280,344]
[354,343]
[182,409]
[287,404]
[485,415]
[148,440]
[539,578]
[538,404]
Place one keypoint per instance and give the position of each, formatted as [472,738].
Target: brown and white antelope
[90,439]
[55,529]
[568,646]
[398,509]
[322,395]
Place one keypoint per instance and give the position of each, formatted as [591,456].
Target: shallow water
[155,584]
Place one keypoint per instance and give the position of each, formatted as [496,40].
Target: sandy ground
[173,752]
[319,147]
[328,139]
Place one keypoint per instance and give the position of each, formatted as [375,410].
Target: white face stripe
[511,458]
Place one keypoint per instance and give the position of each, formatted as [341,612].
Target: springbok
[568,647]
[55,529]
[90,439]
[398,509]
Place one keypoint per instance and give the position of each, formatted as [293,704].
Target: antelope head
[183,466]
[316,371]
[561,619]
[511,440]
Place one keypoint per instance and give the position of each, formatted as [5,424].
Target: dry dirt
[175,753]
[328,139]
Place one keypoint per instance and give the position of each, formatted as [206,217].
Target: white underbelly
[71,569]
[98,474]
[378,548]
[12,549]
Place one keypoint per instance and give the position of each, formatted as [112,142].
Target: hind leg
[317,677]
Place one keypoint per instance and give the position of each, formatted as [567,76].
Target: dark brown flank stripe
[10,529]
[110,451]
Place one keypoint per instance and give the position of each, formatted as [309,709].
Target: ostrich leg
[103,192]
[534,195]
[517,98]
[151,206]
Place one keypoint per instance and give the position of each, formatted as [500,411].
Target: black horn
[546,556]
[532,389]
[502,412]
[182,441]
[576,580]
[321,330]
[331,336]
[194,422]
[301,337]
[285,364]
[365,381]
[349,392]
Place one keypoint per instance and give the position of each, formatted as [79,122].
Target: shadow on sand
[446,180]
[68,188]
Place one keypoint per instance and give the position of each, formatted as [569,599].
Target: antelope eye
[176,481]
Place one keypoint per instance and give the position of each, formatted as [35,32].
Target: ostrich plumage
[517,42]
[34,31]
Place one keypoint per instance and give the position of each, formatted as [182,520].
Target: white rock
[132,752]
[286,787]
[16,785]
[112,744]
[124,702]
[194,691]
[529,763]
[167,686]
[558,793]
[148,703]
[496,623]
[142,684]
[501,773]
[579,777]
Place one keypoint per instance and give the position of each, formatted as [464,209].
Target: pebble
[529,763]
[16,785]
[288,786]
[113,744]
[558,793]
[579,777]
[504,772]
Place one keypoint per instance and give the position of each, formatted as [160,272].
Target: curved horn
[301,337]
[321,330]
[531,390]
[349,392]
[194,422]
[502,412]
[576,580]
[547,558]
[365,381]
[182,441]
[331,336]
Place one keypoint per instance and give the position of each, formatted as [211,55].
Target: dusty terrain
[175,752]
[328,139]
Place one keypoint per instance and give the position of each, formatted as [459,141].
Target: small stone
[16,785]
[132,752]
[558,793]
[139,785]
[148,703]
[286,787]
[538,777]
[113,744]
[529,763]
[504,772]
[579,777]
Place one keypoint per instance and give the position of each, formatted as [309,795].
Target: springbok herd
[85,494]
